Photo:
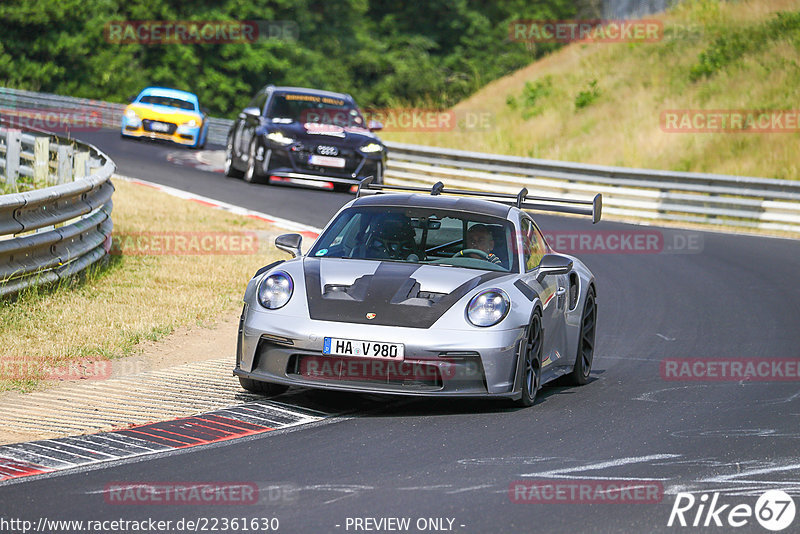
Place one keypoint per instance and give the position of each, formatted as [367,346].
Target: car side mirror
[290,243]
[250,112]
[374,126]
[553,264]
[132,98]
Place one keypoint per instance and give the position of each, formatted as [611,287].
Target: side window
[533,245]
[258,101]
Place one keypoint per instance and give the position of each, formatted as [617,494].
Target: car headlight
[488,307]
[132,116]
[370,148]
[275,290]
[191,124]
[279,138]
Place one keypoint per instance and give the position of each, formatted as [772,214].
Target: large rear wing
[521,200]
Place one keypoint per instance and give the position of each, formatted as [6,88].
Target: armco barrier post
[41,161]
[13,150]
[80,165]
[64,156]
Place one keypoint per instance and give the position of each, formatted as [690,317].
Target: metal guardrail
[711,199]
[97,112]
[52,233]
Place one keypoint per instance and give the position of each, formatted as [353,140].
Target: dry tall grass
[134,298]
[636,83]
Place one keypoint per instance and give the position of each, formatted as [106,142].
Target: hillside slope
[603,103]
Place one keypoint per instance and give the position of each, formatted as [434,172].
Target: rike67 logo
[774,510]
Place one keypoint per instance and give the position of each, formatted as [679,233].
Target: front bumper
[464,363]
[285,163]
[181,135]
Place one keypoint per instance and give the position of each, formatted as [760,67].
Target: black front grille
[148,126]
[300,160]
[365,371]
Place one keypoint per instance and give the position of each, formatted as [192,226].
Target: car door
[552,292]
[246,125]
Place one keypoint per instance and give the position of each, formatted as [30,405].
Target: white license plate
[159,127]
[334,346]
[326,161]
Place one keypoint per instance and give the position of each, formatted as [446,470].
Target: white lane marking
[470,488]
[560,473]
[279,221]
[348,490]
[127,442]
[680,399]
[70,445]
[34,457]
[289,406]
[66,453]
[665,338]
[511,460]
[787,399]
[732,478]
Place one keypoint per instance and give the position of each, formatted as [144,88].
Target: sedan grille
[159,126]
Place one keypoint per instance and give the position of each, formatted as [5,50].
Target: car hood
[164,113]
[386,293]
[326,133]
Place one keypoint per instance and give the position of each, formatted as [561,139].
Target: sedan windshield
[305,108]
[420,235]
[167,101]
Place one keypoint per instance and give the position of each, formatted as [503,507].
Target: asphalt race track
[710,296]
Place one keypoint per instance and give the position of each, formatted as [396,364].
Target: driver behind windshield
[479,237]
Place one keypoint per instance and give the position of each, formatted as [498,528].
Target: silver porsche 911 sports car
[442,293]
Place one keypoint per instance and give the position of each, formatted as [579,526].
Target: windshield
[420,235]
[167,101]
[315,109]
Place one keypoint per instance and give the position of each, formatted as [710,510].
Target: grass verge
[137,295]
[602,103]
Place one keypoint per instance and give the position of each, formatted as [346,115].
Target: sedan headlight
[275,290]
[488,308]
[370,148]
[132,117]
[278,137]
[191,124]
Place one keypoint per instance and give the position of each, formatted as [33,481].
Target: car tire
[531,352]
[230,171]
[585,354]
[263,388]
[252,174]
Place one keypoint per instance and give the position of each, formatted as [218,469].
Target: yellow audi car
[167,114]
